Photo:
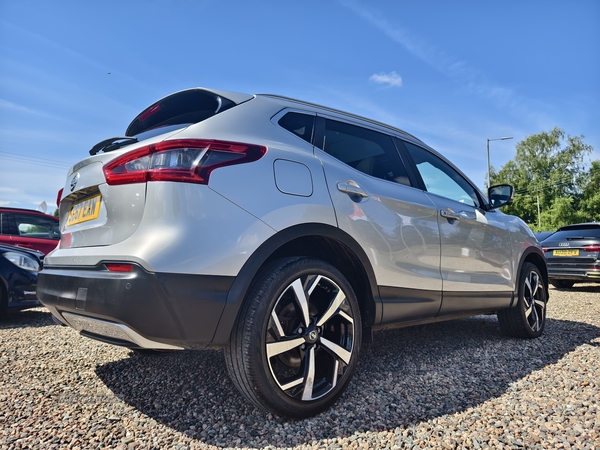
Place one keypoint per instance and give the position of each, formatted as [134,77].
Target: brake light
[591,248]
[183,160]
[59,196]
[150,111]
[119,267]
[545,249]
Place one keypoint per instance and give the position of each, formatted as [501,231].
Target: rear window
[582,232]
[186,107]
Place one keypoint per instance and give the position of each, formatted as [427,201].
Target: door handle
[449,214]
[352,188]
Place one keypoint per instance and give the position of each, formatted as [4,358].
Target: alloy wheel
[310,337]
[534,301]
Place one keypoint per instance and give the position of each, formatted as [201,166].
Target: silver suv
[285,233]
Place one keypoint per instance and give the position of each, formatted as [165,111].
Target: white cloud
[392,78]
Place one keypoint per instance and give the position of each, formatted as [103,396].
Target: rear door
[476,250]
[396,224]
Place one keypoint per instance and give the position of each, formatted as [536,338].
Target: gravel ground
[458,384]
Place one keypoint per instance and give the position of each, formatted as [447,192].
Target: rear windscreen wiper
[113,143]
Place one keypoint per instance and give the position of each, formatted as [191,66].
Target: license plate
[565,252]
[85,210]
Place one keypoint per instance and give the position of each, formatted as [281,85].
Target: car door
[395,223]
[475,244]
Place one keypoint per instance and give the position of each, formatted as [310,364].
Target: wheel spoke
[333,307]
[279,347]
[291,384]
[338,351]
[535,281]
[277,323]
[302,300]
[309,377]
[346,316]
[336,367]
[528,286]
[314,284]
[540,303]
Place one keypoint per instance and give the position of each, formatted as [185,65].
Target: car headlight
[22,261]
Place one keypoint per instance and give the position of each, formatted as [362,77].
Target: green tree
[549,170]
[590,201]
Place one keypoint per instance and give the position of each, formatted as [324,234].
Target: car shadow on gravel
[405,377]
[27,318]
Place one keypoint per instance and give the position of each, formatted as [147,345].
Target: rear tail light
[59,196]
[591,248]
[546,249]
[183,160]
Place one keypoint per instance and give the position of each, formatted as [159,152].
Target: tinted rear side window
[301,125]
[366,150]
[187,107]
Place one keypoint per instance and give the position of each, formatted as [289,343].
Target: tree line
[554,186]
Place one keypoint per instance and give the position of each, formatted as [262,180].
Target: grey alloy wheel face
[310,337]
[534,301]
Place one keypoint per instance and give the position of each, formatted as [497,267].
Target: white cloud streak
[391,79]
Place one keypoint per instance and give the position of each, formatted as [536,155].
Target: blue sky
[453,73]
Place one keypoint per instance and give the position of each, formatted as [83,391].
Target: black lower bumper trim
[177,309]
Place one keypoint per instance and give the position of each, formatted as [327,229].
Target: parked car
[28,228]
[284,232]
[19,269]
[573,255]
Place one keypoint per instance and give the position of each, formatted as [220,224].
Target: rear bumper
[137,308]
[574,272]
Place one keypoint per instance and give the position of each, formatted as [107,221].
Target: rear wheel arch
[318,241]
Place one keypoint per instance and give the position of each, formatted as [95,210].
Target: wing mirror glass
[500,195]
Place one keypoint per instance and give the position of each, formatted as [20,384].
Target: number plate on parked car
[85,210]
[565,252]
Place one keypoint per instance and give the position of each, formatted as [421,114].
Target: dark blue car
[19,269]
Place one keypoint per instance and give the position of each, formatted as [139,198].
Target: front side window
[440,178]
[366,150]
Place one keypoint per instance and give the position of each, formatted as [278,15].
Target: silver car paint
[186,228]
[396,225]
[167,237]
[476,251]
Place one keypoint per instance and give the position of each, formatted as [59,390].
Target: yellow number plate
[565,252]
[88,209]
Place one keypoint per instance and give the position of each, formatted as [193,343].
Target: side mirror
[500,195]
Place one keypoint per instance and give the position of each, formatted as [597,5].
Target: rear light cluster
[182,160]
[591,248]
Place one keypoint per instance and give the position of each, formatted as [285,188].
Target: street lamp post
[488,156]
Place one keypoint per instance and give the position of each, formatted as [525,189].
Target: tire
[562,284]
[296,341]
[528,318]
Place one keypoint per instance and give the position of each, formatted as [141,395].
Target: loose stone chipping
[457,384]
